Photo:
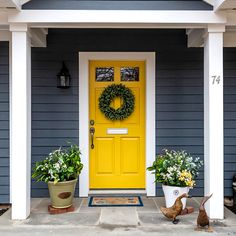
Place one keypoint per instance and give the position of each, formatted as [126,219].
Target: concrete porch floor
[146,220]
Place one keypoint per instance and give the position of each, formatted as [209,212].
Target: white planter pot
[171,193]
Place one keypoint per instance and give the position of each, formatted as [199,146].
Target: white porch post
[20,133]
[213,121]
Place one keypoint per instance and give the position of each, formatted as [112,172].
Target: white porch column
[20,121]
[213,121]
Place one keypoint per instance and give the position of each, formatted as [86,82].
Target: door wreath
[107,96]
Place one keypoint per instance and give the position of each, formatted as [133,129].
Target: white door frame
[84,58]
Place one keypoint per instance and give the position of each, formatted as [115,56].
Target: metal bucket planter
[172,192]
[62,193]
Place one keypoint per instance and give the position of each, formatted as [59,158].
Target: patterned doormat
[115,201]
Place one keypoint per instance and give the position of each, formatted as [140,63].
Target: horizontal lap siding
[179,103]
[179,89]
[230,117]
[4,123]
[54,110]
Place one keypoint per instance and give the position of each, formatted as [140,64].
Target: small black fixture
[63,77]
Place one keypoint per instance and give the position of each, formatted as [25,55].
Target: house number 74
[215,79]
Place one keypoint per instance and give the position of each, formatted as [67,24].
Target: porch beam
[117,17]
[20,121]
[213,122]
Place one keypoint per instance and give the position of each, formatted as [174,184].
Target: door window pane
[129,73]
[104,74]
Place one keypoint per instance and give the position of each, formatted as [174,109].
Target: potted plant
[176,170]
[60,169]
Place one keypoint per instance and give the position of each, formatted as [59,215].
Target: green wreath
[107,96]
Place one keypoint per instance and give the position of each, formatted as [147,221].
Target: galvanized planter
[62,193]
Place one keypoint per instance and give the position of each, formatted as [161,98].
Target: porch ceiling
[118,5]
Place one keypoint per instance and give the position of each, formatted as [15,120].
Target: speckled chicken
[175,210]
[203,219]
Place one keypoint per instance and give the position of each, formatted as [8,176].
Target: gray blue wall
[229,117]
[179,101]
[4,123]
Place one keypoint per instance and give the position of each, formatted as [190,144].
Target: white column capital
[215,29]
[18,27]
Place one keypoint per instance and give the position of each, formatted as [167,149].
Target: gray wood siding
[179,89]
[54,111]
[117,5]
[229,117]
[4,123]
[179,101]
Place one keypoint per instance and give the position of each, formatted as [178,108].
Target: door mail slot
[117,131]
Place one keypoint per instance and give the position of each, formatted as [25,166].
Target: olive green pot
[62,193]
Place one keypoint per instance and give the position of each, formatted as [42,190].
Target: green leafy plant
[176,168]
[60,165]
[109,94]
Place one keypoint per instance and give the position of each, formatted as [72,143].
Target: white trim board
[84,58]
[117,16]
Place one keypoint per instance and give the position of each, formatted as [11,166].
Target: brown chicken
[175,210]
[203,219]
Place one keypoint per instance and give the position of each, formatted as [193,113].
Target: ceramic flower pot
[172,192]
[62,193]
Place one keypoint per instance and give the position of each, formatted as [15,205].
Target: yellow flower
[186,177]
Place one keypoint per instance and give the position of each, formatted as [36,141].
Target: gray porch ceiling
[118,5]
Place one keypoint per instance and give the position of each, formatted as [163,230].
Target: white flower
[51,174]
[57,166]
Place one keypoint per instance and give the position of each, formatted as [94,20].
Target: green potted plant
[176,170]
[60,169]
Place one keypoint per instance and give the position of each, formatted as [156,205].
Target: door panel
[130,161]
[105,156]
[117,160]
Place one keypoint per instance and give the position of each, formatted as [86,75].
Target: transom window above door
[126,72]
[129,73]
[104,74]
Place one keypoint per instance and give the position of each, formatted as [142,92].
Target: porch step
[117,192]
[126,217]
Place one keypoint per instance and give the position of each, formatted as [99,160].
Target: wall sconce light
[63,77]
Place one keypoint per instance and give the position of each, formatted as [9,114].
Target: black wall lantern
[63,77]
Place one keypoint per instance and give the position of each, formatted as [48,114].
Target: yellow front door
[117,158]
